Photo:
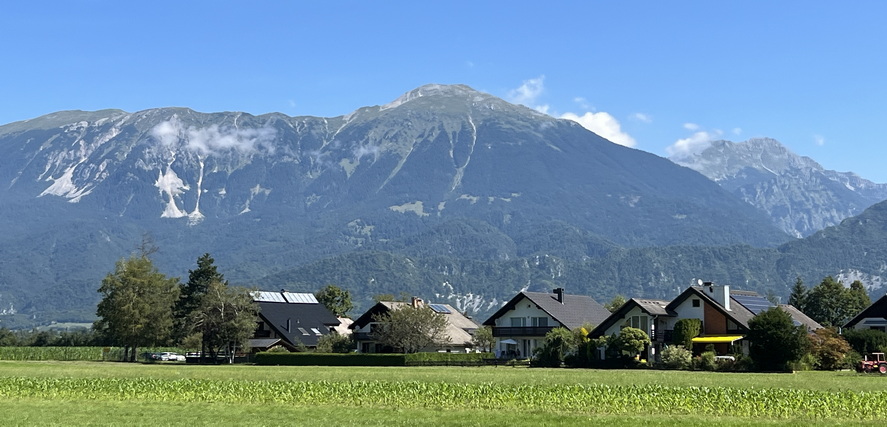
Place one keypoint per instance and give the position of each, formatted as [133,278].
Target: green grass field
[86,393]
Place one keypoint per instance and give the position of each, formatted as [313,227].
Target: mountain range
[446,193]
[798,194]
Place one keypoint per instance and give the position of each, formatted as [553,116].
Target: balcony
[662,336]
[526,331]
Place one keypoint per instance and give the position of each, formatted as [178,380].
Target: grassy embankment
[66,393]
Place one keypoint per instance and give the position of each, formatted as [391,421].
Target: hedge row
[69,353]
[358,359]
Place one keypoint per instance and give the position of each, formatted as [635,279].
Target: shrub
[559,342]
[829,350]
[685,330]
[335,343]
[866,340]
[676,357]
[707,361]
[630,341]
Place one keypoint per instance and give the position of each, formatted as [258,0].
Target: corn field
[577,399]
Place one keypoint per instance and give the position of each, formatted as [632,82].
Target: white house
[521,324]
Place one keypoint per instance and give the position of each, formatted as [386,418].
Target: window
[316,331]
[695,303]
[303,331]
[540,321]
[518,322]
[639,322]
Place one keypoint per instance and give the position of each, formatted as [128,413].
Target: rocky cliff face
[798,194]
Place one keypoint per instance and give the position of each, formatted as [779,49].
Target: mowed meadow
[97,393]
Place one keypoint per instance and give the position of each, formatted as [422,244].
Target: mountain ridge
[800,195]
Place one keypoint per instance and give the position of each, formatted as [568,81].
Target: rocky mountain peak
[799,194]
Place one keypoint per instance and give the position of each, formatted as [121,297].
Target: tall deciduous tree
[831,304]
[225,319]
[483,338]
[859,298]
[335,299]
[137,305]
[775,341]
[409,329]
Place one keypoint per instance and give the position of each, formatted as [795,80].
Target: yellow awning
[718,339]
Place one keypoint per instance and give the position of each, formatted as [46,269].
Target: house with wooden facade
[724,314]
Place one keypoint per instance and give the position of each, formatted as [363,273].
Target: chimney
[287,324]
[417,302]
[719,293]
[560,294]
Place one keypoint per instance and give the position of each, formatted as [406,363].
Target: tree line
[142,307]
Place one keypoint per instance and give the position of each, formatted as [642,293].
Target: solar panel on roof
[300,298]
[440,308]
[265,296]
[754,303]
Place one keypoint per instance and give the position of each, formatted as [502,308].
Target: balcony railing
[662,336]
[526,331]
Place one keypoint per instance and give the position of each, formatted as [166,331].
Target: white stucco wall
[526,309]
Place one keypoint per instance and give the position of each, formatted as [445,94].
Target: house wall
[714,322]
[527,310]
[526,345]
[876,323]
[635,311]
[686,311]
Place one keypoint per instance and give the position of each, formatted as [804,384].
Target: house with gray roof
[724,314]
[290,320]
[521,324]
[873,317]
[458,333]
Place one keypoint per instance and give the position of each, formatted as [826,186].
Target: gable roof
[878,309]
[575,310]
[800,319]
[652,307]
[459,328]
[737,313]
[292,319]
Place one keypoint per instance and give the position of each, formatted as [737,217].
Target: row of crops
[580,399]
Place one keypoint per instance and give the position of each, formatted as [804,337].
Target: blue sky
[658,76]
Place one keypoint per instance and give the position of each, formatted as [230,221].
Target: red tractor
[873,362]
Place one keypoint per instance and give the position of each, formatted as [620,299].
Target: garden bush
[676,357]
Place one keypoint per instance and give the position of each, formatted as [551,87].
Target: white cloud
[528,92]
[737,131]
[641,117]
[819,140]
[691,126]
[603,124]
[214,139]
[694,144]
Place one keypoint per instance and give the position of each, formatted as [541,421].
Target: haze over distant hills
[446,193]
[796,192]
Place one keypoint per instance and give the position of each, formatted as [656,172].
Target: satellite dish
[699,281]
